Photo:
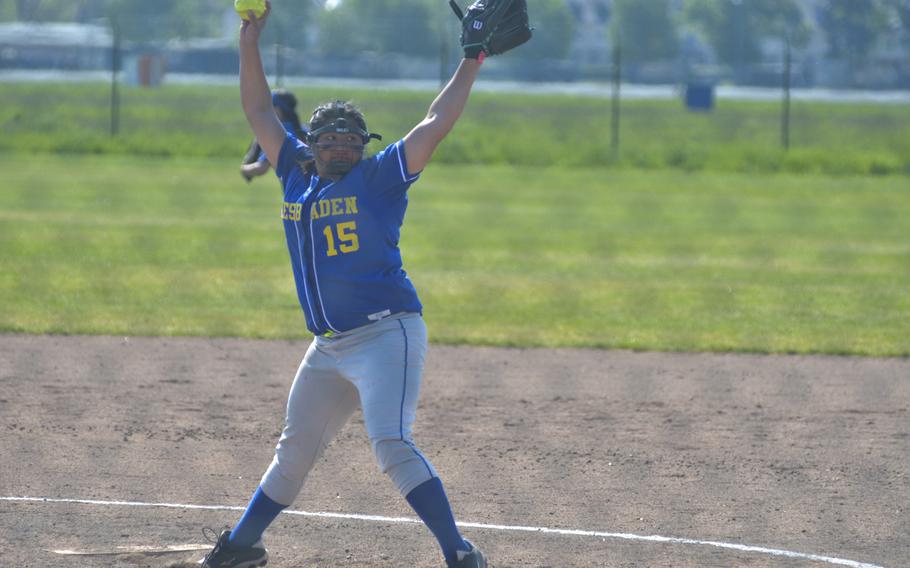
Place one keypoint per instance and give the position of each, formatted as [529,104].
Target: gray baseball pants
[377,367]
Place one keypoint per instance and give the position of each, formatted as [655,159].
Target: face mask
[342,157]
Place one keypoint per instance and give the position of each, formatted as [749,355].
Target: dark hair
[285,104]
[326,113]
[284,99]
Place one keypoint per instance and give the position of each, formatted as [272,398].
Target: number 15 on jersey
[346,240]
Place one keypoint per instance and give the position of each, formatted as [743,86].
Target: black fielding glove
[491,27]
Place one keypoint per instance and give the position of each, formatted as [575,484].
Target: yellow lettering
[291,211]
[321,209]
[348,237]
[330,240]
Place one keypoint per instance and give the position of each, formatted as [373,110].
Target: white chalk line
[123,550]
[541,530]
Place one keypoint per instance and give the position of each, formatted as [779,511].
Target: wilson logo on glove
[491,27]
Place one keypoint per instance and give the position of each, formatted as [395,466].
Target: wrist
[474,52]
[475,64]
[479,59]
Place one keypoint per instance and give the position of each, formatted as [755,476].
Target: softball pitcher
[342,216]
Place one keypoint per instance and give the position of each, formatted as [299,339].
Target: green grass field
[502,255]
[527,130]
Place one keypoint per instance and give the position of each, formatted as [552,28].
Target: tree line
[650,30]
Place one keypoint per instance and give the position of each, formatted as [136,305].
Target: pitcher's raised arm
[254,88]
[445,110]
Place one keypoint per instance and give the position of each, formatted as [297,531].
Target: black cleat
[473,558]
[224,555]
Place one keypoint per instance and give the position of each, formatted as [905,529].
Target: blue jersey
[343,237]
[290,128]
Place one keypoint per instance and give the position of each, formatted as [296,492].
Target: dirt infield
[796,456]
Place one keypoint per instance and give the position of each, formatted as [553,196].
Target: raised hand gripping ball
[244,6]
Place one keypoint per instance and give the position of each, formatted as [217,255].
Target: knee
[280,487]
[391,453]
[294,458]
[403,463]
[296,455]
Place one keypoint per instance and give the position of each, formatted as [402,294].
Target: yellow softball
[244,6]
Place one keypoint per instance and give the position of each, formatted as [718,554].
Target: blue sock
[430,503]
[258,516]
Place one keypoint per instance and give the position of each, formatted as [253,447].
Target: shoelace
[211,536]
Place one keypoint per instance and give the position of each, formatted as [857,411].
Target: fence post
[279,59]
[116,57]
[444,53]
[739,17]
[785,112]
[617,79]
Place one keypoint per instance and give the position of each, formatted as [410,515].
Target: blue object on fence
[700,97]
